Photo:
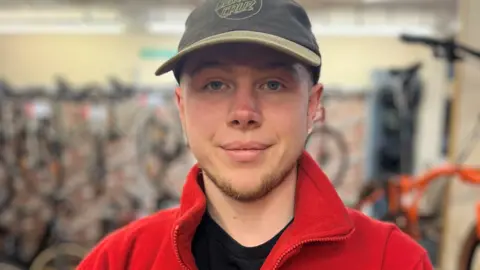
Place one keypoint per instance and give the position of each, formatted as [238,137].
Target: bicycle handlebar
[449,45]
[469,50]
[418,39]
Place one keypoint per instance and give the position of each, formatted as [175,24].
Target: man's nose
[245,112]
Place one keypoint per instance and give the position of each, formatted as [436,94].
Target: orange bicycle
[403,194]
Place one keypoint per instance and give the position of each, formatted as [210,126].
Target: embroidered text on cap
[238,9]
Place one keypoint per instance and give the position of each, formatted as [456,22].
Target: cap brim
[284,45]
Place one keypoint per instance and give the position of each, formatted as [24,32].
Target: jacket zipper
[184,266]
[293,248]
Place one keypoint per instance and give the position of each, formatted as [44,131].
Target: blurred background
[90,138]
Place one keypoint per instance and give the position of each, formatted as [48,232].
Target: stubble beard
[268,182]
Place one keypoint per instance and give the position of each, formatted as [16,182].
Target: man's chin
[243,194]
[246,187]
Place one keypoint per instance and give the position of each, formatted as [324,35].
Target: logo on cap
[238,9]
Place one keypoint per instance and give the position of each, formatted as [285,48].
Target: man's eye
[272,85]
[214,85]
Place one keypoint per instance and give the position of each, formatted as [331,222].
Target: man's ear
[314,105]
[179,102]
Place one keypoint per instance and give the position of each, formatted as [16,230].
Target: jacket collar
[320,215]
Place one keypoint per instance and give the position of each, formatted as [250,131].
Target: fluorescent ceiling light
[103,14]
[40,14]
[15,29]
[57,14]
[165,28]
[378,1]
[176,14]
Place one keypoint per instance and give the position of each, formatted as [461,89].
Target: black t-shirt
[214,249]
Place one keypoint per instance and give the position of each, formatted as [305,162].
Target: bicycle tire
[6,265]
[8,194]
[144,141]
[340,143]
[470,247]
[50,254]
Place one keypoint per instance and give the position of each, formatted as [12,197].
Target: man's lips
[244,146]
[244,151]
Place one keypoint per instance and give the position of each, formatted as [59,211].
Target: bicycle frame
[408,184]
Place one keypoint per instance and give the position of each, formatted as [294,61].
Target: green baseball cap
[282,25]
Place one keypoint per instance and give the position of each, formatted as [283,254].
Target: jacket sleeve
[424,263]
[404,253]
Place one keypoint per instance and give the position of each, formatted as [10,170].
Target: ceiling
[136,13]
[139,8]
[305,3]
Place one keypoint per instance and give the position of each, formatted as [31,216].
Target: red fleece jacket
[323,235]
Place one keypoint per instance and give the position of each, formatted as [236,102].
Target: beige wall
[35,59]
[463,197]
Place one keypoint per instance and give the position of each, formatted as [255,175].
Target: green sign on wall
[155,54]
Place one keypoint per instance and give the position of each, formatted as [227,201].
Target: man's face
[246,111]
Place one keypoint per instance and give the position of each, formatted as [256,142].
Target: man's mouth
[244,151]
[244,146]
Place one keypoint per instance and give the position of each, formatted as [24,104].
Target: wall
[35,59]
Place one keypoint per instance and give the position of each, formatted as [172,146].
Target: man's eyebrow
[210,64]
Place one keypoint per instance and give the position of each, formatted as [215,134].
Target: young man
[248,74]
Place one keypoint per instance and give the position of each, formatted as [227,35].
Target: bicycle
[158,137]
[452,52]
[331,148]
[29,153]
[470,254]
[36,149]
[403,194]
[58,256]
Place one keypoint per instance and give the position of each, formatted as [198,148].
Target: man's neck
[253,223]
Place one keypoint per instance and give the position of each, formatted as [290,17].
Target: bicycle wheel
[6,192]
[5,265]
[329,148]
[470,256]
[62,256]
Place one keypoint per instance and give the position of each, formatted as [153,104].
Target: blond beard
[268,183]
